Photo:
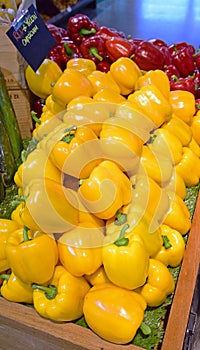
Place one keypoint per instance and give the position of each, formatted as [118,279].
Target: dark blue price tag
[31,37]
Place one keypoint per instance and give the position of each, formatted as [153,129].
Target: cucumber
[8,166]
[7,115]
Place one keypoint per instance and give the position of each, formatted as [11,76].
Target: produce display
[100,217]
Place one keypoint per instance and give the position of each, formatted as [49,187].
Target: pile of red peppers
[84,38]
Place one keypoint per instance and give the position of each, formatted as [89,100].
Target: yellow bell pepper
[114,313]
[42,81]
[173,248]
[193,145]
[7,226]
[83,65]
[52,106]
[126,261]
[46,127]
[152,103]
[62,300]
[100,80]
[69,85]
[80,250]
[53,207]
[37,165]
[97,277]
[180,129]
[183,105]
[159,285]
[70,144]
[106,190]
[157,166]
[155,77]
[177,185]
[13,289]
[189,167]
[77,102]
[32,255]
[195,126]
[164,142]
[178,215]
[16,214]
[107,94]
[126,73]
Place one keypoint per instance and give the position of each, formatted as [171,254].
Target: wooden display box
[22,328]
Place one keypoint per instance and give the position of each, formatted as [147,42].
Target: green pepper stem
[166,242]
[5,276]
[25,234]
[50,291]
[68,137]
[84,31]
[69,50]
[94,53]
[33,116]
[121,218]
[122,241]
[174,77]
[146,330]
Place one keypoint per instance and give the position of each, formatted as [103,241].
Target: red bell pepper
[167,55]
[108,33]
[182,84]
[57,32]
[173,48]
[79,27]
[184,61]
[148,56]
[103,66]
[63,51]
[158,42]
[196,56]
[117,47]
[93,48]
[171,70]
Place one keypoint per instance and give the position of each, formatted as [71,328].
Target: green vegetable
[8,165]
[8,117]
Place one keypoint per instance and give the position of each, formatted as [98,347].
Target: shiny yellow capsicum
[183,105]
[7,226]
[83,65]
[62,300]
[13,289]
[113,313]
[173,248]
[69,85]
[126,261]
[155,77]
[106,94]
[80,250]
[100,80]
[176,184]
[42,81]
[97,277]
[195,126]
[106,190]
[178,215]
[32,255]
[52,106]
[159,285]
[152,103]
[189,167]
[180,129]
[125,72]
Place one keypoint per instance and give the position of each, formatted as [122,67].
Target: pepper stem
[166,242]
[146,330]
[94,52]
[122,241]
[50,291]
[33,116]
[121,218]
[25,234]
[68,137]
[5,276]
[69,50]
[84,31]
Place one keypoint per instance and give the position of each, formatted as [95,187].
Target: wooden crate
[22,328]
[12,66]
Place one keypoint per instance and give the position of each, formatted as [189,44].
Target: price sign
[31,37]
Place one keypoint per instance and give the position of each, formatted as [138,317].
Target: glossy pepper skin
[83,65]
[42,81]
[7,226]
[13,289]
[107,33]
[147,56]
[114,313]
[173,248]
[159,285]
[63,51]
[126,261]
[180,129]
[195,126]
[125,72]
[80,250]
[152,103]
[32,255]
[80,27]
[63,299]
[155,77]
[183,105]
[49,204]
[184,61]
[187,84]
[117,47]
[105,178]
[71,84]
[189,167]
[93,48]
[101,80]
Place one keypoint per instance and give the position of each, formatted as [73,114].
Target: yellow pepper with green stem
[189,167]
[62,300]
[7,226]
[155,77]
[183,105]
[13,289]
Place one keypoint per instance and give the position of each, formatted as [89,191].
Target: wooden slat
[180,310]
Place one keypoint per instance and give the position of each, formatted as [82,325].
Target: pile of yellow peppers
[101,214]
